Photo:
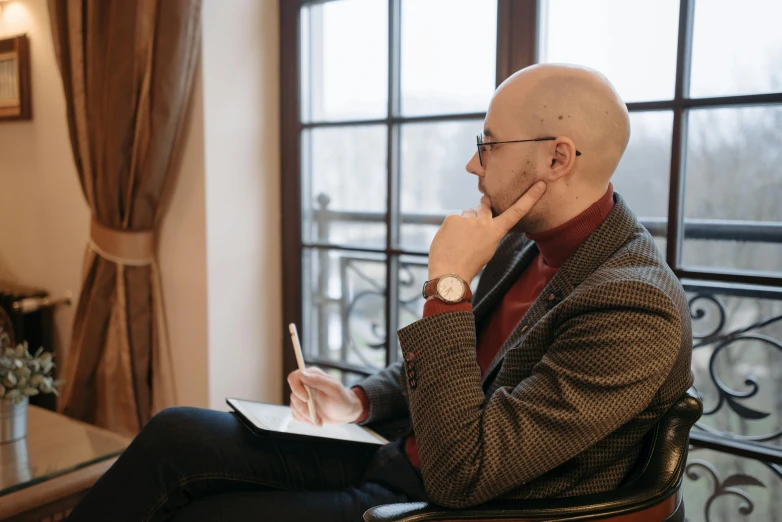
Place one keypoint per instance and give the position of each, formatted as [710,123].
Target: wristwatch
[449,288]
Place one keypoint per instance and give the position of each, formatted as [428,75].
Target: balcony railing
[706,229]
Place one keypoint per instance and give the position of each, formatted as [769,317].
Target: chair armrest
[599,504]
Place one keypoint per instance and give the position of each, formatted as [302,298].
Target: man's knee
[171,417]
[170,429]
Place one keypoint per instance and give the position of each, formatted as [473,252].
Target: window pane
[736,48]
[434,180]
[707,500]
[344,185]
[413,273]
[733,174]
[448,55]
[632,43]
[344,60]
[344,307]
[722,368]
[643,175]
[348,379]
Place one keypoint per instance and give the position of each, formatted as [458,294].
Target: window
[381,100]
[387,121]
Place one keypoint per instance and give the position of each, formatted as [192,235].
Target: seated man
[577,341]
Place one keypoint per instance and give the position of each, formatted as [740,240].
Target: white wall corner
[241,124]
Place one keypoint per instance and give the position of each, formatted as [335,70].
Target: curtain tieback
[124,247]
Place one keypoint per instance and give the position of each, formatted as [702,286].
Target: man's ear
[562,159]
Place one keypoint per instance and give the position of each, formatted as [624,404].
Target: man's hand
[334,404]
[464,244]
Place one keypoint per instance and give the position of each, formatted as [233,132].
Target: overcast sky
[448,49]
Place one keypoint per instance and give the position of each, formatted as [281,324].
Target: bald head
[576,102]
[580,111]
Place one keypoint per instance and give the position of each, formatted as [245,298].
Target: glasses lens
[479,140]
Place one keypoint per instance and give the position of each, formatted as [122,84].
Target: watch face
[450,289]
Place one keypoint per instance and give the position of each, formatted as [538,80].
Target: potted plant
[21,376]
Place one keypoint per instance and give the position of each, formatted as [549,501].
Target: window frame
[517,47]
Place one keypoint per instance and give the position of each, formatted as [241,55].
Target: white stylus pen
[300,362]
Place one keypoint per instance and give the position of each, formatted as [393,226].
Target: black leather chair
[651,492]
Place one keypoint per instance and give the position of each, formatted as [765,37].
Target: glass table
[58,460]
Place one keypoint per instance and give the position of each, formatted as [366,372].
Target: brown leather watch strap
[430,290]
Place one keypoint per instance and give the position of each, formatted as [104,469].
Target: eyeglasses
[481,143]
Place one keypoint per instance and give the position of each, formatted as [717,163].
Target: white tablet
[267,418]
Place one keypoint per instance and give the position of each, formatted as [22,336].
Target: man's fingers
[484,209]
[469,213]
[520,208]
[294,381]
[300,411]
[322,383]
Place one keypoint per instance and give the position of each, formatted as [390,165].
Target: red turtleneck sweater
[555,247]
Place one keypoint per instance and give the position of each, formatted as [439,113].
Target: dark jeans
[189,464]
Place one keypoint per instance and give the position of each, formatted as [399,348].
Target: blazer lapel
[515,263]
[617,228]
[559,287]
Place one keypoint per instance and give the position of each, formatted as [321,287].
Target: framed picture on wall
[15,79]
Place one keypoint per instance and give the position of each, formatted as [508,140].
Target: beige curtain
[127,68]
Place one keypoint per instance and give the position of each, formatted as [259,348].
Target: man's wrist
[361,404]
[437,273]
[439,307]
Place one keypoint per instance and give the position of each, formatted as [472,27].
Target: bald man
[577,341]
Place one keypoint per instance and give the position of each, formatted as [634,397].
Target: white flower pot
[13,420]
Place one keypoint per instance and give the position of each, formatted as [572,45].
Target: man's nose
[474,165]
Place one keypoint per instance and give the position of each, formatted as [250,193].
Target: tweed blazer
[600,356]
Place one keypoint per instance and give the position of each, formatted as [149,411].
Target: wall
[221,230]
[43,217]
[182,258]
[241,115]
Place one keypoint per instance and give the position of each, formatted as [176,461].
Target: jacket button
[552,297]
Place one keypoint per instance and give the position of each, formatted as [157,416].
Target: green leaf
[9,381]
[46,367]
[30,391]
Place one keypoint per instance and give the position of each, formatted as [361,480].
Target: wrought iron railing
[736,336]
[703,229]
[737,357]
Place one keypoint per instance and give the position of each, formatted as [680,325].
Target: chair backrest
[663,453]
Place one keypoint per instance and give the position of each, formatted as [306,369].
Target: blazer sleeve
[387,395]
[604,365]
